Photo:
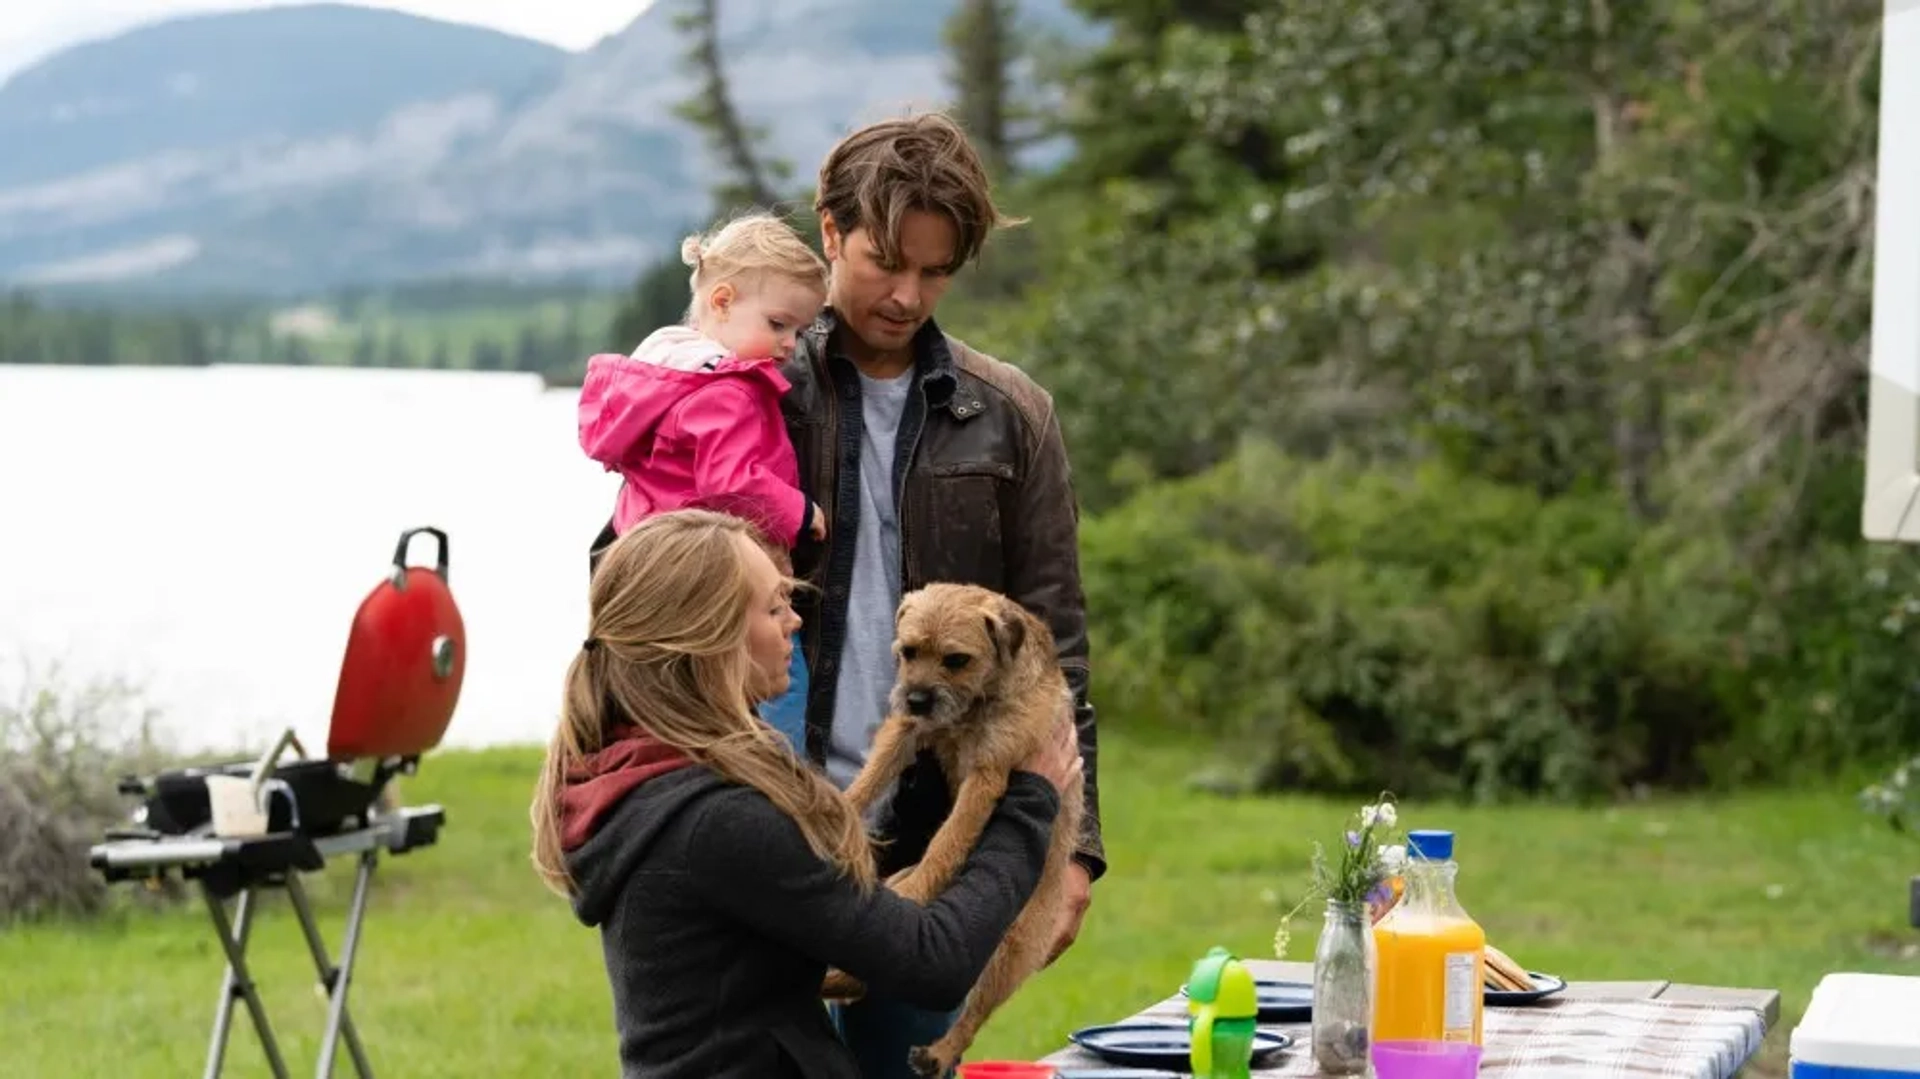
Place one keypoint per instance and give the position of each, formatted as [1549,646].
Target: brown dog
[980,685]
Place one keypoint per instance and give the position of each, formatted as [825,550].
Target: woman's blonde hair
[751,246]
[668,627]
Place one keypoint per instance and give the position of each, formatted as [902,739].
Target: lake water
[208,534]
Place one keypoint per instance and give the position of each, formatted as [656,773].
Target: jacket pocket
[966,534]
[999,470]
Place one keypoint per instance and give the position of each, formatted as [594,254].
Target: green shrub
[1415,629]
[1836,685]
[62,753]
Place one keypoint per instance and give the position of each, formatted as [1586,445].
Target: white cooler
[1859,1026]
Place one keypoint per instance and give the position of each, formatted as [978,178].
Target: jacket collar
[933,361]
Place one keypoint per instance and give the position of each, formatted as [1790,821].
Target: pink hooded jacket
[688,425]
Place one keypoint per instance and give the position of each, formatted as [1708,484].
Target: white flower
[1281,938]
[1369,816]
[1388,815]
[1393,859]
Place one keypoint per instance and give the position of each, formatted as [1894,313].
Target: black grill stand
[239,869]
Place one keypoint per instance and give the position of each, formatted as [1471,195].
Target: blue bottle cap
[1430,845]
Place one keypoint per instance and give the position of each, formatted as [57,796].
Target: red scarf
[596,784]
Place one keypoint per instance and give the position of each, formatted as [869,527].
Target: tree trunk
[1623,302]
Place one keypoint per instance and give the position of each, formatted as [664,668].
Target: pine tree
[749,178]
[981,47]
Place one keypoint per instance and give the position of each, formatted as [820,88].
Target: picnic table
[1591,1029]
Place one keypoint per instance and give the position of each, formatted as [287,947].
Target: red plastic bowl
[1006,1069]
[1425,1060]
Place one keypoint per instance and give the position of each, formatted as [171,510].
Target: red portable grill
[399,681]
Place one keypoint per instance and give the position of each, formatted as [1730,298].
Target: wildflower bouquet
[1372,853]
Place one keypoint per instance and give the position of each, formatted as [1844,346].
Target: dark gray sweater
[718,923]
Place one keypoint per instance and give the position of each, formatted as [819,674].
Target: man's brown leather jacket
[985,497]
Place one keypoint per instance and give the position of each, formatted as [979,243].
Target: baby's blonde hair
[751,245]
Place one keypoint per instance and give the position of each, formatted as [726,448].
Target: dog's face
[952,642]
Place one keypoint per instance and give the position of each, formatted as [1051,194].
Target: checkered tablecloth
[1565,1039]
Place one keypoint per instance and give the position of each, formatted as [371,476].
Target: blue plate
[1160,1045]
[1281,1002]
[1544,985]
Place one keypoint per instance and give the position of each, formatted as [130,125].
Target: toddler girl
[692,418]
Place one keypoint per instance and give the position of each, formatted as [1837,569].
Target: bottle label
[1462,989]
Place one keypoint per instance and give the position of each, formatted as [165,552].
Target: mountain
[293,149]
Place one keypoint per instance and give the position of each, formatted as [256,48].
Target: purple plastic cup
[1425,1060]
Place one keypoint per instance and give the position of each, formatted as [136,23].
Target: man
[935,463]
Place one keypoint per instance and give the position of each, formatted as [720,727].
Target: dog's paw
[926,1062]
[911,886]
[841,987]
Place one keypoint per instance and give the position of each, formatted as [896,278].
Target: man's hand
[1075,898]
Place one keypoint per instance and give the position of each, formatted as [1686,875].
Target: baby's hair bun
[690,250]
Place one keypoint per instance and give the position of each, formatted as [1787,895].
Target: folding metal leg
[238,982]
[334,980]
[349,947]
[240,869]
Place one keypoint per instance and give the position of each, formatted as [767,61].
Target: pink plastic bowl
[1426,1060]
[1005,1069]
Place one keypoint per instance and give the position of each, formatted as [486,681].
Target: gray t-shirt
[866,659]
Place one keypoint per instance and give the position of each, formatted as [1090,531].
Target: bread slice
[1505,974]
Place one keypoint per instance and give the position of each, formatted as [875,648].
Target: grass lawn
[469,968]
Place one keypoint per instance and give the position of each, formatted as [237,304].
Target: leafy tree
[191,341]
[659,298]
[527,349]
[396,354]
[1569,255]
[488,355]
[568,341]
[1532,237]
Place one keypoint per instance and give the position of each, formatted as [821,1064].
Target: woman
[724,873]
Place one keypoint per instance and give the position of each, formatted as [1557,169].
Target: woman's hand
[1057,760]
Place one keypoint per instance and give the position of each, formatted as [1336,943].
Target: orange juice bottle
[1432,955]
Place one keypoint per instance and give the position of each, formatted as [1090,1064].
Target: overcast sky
[32,29]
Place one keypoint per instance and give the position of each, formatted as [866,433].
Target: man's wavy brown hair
[875,176]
